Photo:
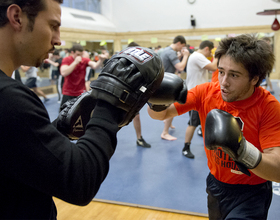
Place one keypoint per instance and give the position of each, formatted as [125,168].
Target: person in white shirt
[197,73]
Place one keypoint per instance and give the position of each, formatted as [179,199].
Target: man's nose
[56,39]
[224,81]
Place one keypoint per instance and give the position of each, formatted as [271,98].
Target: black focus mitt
[128,80]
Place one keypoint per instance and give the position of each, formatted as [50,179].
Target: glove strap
[123,95]
[250,156]
[158,108]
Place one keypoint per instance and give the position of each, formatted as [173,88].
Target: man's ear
[14,15]
[255,80]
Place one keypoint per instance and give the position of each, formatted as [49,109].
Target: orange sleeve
[194,97]
[270,125]
[189,105]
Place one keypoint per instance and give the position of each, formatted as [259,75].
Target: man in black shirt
[38,162]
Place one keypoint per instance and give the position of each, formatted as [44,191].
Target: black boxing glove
[75,114]
[128,80]
[172,89]
[222,130]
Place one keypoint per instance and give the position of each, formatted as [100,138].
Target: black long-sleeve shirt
[38,162]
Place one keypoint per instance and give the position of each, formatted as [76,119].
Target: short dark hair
[132,44]
[254,54]
[77,47]
[180,39]
[30,7]
[206,43]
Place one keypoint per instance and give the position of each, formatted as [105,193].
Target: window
[85,5]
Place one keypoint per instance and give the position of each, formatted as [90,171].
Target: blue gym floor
[160,176]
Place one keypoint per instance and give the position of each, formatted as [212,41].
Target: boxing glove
[222,130]
[172,89]
[128,80]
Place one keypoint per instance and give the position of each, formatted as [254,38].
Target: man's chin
[39,63]
[224,97]
[227,99]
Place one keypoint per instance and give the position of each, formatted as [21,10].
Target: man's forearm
[157,115]
[269,166]
[95,65]
[181,66]
[67,70]
[52,62]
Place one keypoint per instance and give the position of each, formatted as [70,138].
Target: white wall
[107,9]
[99,22]
[148,15]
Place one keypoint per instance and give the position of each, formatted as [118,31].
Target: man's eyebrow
[232,71]
[58,23]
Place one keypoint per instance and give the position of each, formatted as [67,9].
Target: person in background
[157,48]
[136,120]
[105,53]
[89,71]
[73,69]
[31,80]
[172,64]
[197,73]
[55,60]
[64,52]
[16,75]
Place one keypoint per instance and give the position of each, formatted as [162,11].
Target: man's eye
[54,27]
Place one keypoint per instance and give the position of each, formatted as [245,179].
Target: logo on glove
[78,126]
[138,54]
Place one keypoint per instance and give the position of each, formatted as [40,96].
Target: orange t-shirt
[259,116]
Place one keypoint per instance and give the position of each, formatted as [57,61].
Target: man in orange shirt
[253,148]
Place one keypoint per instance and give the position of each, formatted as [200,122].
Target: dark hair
[133,44]
[254,54]
[206,43]
[180,39]
[77,47]
[30,7]
[56,53]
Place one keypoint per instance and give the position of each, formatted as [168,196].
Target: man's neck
[7,56]
[201,51]
[173,46]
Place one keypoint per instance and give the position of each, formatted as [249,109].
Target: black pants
[194,118]
[226,201]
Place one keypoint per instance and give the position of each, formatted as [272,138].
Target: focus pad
[129,79]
